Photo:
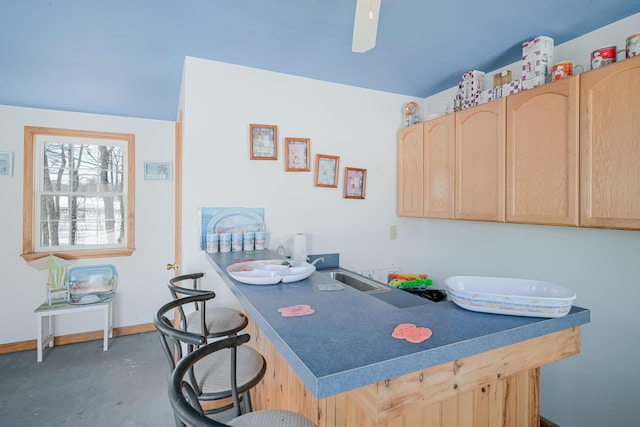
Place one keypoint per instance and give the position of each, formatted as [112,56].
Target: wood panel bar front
[500,387]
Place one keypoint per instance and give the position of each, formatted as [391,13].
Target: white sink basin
[517,297]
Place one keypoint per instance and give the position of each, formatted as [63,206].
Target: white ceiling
[125,57]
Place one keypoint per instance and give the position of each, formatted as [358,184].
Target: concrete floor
[81,385]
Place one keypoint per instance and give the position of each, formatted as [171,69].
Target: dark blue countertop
[347,342]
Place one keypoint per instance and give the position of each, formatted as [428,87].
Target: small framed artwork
[157,171]
[355,181]
[264,142]
[296,154]
[6,163]
[327,171]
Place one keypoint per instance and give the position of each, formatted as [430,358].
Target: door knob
[175,266]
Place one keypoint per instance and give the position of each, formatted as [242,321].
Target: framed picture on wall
[264,142]
[327,171]
[157,171]
[355,181]
[6,163]
[296,154]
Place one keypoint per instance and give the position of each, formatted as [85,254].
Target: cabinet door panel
[480,162]
[610,146]
[439,144]
[410,171]
[542,154]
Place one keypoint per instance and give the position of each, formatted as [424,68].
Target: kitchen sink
[396,297]
[358,282]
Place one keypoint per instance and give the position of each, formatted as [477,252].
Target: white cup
[236,242]
[212,243]
[248,240]
[225,242]
[260,240]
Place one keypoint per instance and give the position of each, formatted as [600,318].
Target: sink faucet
[317,260]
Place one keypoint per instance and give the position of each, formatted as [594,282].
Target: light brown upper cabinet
[439,144]
[410,171]
[480,162]
[610,146]
[542,154]
[564,153]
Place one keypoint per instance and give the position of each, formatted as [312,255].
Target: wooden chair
[184,398]
[218,321]
[211,381]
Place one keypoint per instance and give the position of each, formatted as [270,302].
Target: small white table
[46,312]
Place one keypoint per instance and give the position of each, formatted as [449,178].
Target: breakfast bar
[340,365]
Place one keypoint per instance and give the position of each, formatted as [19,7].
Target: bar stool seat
[219,321]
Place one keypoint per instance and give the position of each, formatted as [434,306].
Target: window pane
[55,165]
[81,221]
[81,204]
[74,167]
[50,213]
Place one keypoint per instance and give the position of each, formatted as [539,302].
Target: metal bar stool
[185,403]
[211,381]
[219,321]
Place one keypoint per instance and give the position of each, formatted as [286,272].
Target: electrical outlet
[393,232]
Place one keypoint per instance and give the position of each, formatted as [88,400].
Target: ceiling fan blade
[365,30]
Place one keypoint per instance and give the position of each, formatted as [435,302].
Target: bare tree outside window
[82,200]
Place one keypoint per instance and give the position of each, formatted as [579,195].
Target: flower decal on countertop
[411,333]
[296,310]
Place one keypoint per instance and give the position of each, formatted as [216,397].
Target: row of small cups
[233,242]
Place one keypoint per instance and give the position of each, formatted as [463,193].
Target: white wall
[359,125]
[597,387]
[142,276]
[594,388]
